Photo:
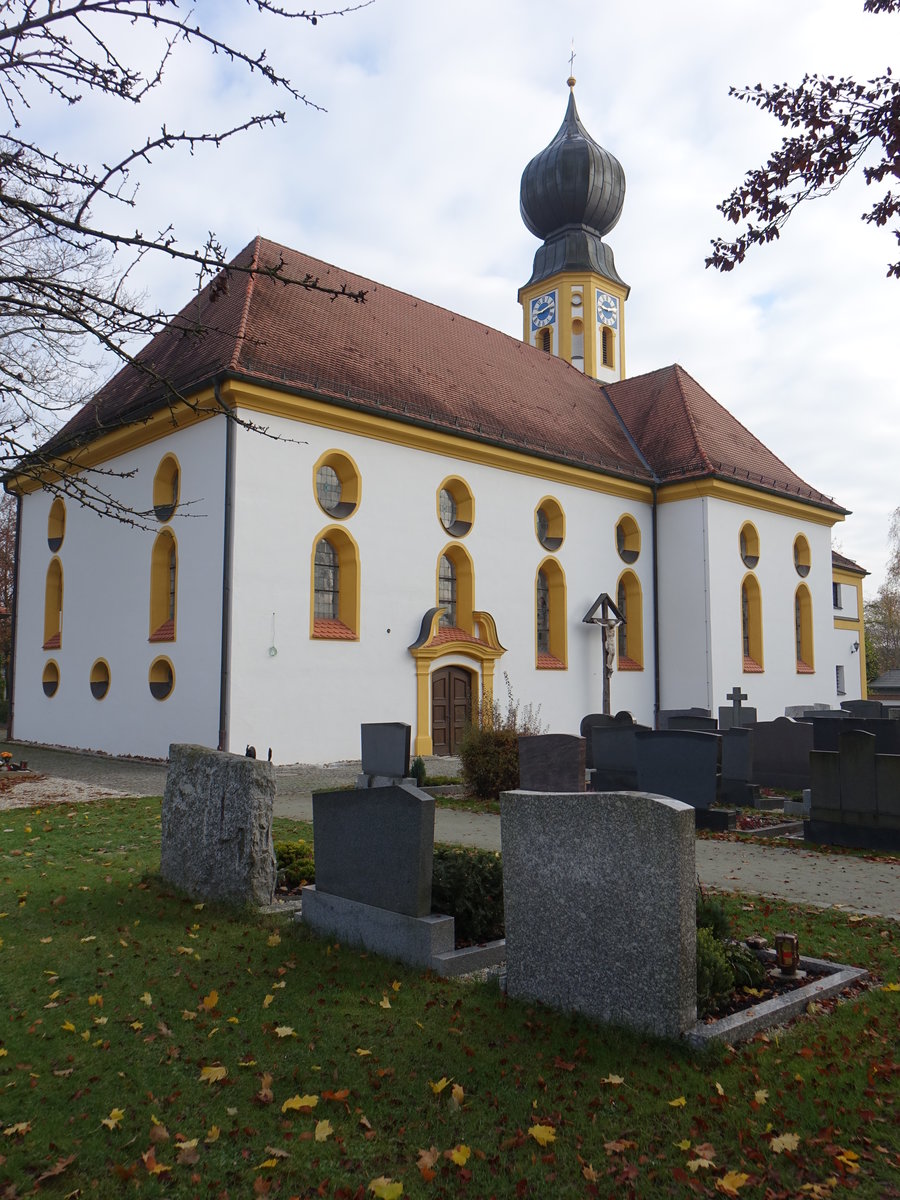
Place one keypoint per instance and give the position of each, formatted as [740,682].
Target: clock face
[607,309]
[543,310]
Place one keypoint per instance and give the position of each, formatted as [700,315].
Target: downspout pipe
[654,487]
[227,573]
[13,622]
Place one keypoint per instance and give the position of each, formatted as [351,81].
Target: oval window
[162,679]
[50,678]
[100,679]
[456,507]
[549,523]
[801,556]
[749,545]
[337,484]
[628,539]
[56,524]
[166,484]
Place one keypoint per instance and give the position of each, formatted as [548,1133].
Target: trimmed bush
[467,884]
[295,862]
[715,978]
[489,751]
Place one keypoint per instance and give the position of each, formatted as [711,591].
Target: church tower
[574,303]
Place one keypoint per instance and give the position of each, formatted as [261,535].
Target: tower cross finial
[572,65]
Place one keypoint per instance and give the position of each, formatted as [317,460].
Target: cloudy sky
[410,176]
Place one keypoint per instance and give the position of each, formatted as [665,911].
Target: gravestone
[665,715]
[592,720]
[697,724]
[781,750]
[376,846]
[826,734]
[614,755]
[736,785]
[798,711]
[551,762]
[856,751]
[863,708]
[679,763]
[385,753]
[726,717]
[855,794]
[216,836]
[599,898]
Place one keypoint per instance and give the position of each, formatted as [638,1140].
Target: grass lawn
[150,1046]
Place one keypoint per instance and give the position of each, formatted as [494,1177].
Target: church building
[383,511]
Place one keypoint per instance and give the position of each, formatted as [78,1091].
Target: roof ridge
[248,296]
[679,371]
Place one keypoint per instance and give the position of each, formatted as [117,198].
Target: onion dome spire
[572,194]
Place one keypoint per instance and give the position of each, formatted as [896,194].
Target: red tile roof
[329,627]
[841,563]
[412,361]
[165,632]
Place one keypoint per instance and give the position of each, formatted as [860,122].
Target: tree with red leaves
[836,125]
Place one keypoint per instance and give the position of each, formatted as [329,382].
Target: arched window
[630,636]
[56,524]
[550,616]
[456,588]
[335,585]
[166,483]
[751,624]
[607,347]
[163,588]
[53,604]
[803,630]
[545,340]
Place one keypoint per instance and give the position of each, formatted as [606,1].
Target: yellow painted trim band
[749,497]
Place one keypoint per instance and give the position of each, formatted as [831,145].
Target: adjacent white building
[432,505]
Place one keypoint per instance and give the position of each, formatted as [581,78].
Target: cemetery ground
[153,1046]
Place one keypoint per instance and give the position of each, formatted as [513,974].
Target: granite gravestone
[614,755]
[863,708]
[216,836]
[855,794]
[385,753]
[551,762]
[736,785]
[665,715]
[682,764]
[781,750]
[599,898]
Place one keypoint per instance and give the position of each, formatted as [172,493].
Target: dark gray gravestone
[737,767]
[385,749]
[799,711]
[857,765]
[887,790]
[551,762]
[679,763]
[376,846]
[592,721]
[697,724]
[863,708]
[726,717]
[781,750]
[614,754]
[826,734]
[824,785]
[665,714]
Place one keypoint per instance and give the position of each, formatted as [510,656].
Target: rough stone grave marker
[216,837]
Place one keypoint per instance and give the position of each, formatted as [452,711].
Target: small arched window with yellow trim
[803,631]
[335,586]
[163,587]
[455,506]
[56,524]
[166,486]
[53,606]
[551,641]
[751,624]
[50,678]
[748,544]
[630,635]
[628,538]
[550,523]
[607,347]
[338,484]
[99,679]
[801,556]
[456,589]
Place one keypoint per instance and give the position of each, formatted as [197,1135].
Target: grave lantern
[787,952]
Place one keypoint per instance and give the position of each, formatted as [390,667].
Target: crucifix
[736,696]
[609,620]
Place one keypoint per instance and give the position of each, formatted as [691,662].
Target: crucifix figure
[736,696]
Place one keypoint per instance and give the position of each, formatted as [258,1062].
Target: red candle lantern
[787,952]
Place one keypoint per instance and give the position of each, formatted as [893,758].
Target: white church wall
[779,684]
[308,700]
[684,605]
[106,579]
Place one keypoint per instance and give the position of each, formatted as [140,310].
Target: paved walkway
[847,882]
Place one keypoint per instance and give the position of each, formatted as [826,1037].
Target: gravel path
[826,880]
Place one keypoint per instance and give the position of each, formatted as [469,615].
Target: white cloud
[411,177]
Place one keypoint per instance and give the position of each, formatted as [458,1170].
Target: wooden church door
[451,706]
